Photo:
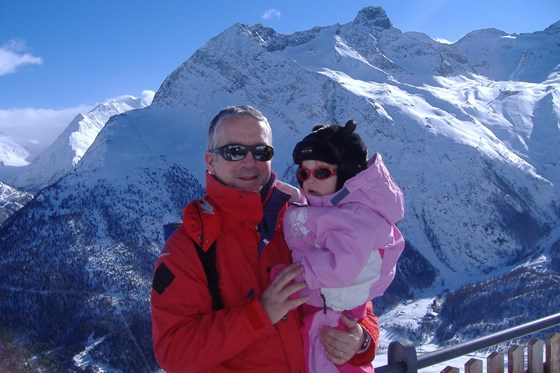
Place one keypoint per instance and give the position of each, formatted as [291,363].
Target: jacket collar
[239,204]
[202,221]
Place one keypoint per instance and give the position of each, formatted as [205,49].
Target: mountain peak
[263,31]
[553,29]
[67,150]
[373,17]
[484,34]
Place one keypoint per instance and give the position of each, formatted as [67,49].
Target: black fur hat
[334,144]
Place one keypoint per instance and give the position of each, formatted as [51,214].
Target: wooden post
[552,353]
[495,362]
[516,359]
[535,356]
[450,370]
[403,351]
[473,366]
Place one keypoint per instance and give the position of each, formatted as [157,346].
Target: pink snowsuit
[349,246]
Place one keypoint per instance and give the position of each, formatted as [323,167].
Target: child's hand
[296,196]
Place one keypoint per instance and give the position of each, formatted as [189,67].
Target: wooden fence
[516,359]
[402,356]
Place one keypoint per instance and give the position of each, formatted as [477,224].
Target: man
[256,326]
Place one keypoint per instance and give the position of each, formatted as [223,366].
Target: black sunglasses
[236,152]
[319,173]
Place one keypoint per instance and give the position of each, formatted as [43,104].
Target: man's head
[247,166]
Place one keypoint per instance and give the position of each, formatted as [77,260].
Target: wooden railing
[402,357]
[516,359]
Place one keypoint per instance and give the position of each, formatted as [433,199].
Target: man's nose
[249,160]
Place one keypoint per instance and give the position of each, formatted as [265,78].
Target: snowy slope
[433,134]
[11,153]
[68,149]
[469,150]
[11,200]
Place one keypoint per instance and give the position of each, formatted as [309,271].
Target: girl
[344,234]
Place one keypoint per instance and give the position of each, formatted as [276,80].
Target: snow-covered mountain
[70,146]
[469,130]
[11,200]
[12,153]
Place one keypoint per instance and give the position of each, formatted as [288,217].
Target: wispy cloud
[271,13]
[37,128]
[13,54]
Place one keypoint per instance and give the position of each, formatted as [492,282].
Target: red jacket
[187,335]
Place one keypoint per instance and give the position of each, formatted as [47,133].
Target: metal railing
[402,357]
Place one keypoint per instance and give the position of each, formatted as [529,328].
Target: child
[345,235]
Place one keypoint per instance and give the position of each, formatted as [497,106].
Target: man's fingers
[349,323]
[293,288]
[341,345]
[280,296]
[296,302]
[288,274]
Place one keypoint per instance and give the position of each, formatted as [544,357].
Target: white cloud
[13,55]
[148,96]
[443,41]
[271,13]
[36,129]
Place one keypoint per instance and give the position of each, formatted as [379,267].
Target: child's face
[312,184]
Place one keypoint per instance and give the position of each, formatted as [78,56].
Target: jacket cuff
[257,317]
[366,356]
[369,325]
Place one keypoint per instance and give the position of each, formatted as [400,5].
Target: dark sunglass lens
[263,153]
[235,152]
[322,173]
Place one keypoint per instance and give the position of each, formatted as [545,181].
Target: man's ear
[209,160]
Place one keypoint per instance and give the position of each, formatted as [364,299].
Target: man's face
[247,174]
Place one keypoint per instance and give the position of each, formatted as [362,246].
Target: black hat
[334,144]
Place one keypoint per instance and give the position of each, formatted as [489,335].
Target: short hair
[234,111]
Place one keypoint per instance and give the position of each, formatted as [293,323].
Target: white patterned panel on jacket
[349,297]
[297,222]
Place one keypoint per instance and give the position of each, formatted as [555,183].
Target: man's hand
[276,298]
[340,345]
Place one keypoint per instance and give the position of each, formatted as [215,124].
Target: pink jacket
[348,241]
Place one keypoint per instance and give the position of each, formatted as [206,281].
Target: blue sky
[60,56]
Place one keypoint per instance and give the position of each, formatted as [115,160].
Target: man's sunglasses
[319,173]
[236,152]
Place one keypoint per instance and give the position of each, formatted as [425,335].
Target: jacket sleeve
[187,335]
[346,237]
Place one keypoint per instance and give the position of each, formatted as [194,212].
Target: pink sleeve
[346,236]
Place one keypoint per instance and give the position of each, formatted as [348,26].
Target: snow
[459,362]
[68,149]
[83,360]
[11,153]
